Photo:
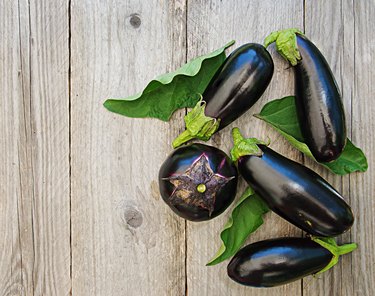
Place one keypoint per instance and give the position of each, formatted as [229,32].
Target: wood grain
[126,241]
[34,127]
[362,186]
[340,53]
[80,211]
[210,24]
[338,29]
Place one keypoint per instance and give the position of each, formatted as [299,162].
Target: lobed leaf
[171,91]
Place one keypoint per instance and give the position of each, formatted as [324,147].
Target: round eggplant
[319,104]
[198,182]
[296,193]
[234,89]
[279,261]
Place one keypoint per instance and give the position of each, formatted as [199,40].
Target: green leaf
[245,219]
[169,92]
[281,114]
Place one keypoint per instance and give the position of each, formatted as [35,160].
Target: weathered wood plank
[12,130]
[34,125]
[330,27]
[333,28]
[126,241]
[210,24]
[362,186]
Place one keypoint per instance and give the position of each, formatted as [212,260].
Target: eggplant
[239,83]
[319,104]
[294,191]
[275,262]
[198,182]
[234,89]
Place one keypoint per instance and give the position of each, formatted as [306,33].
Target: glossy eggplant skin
[277,262]
[319,104]
[239,83]
[296,193]
[179,161]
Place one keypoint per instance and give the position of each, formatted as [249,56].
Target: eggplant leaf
[281,114]
[171,91]
[245,219]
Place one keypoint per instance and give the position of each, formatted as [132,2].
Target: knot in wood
[135,20]
[133,217]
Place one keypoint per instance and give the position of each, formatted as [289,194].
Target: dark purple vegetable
[239,83]
[280,261]
[234,89]
[319,104]
[320,109]
[295,192]
[198,182]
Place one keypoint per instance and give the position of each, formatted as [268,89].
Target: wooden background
[80,211]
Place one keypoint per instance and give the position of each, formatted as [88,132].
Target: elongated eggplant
[234,89]
[198,182]
[320,109]
[294,191]
[280,261]
[239,83]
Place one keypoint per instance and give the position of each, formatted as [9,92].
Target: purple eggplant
[292,190]
[319,104]
[234,89]
[275,262]
[198,182]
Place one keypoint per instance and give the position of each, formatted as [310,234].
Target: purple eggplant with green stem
[318,100]
[234,89]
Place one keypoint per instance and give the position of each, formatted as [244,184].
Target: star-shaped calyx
[198,185]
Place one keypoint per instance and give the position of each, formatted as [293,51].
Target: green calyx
[244,146]
[286,44]
[198,125]
[330,244]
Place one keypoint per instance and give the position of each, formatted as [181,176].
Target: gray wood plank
[12,130]
[34,128]
[126,241]
[362,186]
[330,27]
[333,28]
[210,24]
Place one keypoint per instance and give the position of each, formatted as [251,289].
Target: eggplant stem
[286,44]
[329,243]
[198,125]
[184,137]
[244,146]
[237,136]
[347,248]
